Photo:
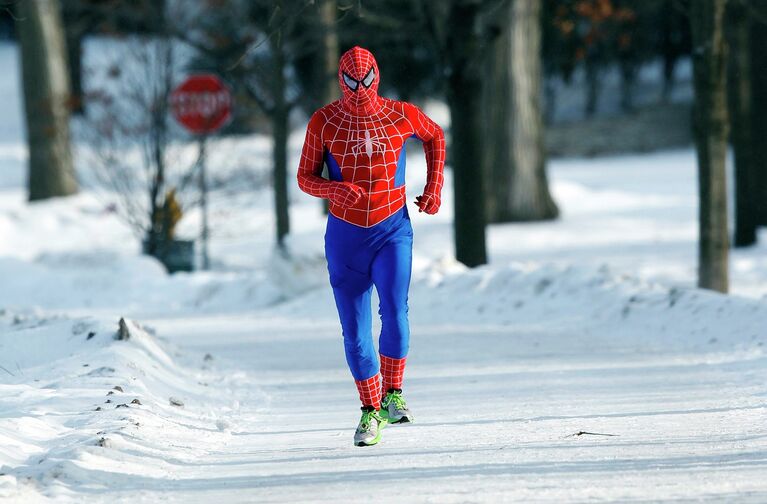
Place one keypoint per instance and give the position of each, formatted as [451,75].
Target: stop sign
[202,103]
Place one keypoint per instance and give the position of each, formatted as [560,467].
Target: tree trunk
[75,59]
[157,239]
[46,99]
[739,91]
[330,54]
[524,195]
[464,98]
[593,85]
[495,104]
[280,135]
[671,45]
[709,69]
[629,70]
[329,68]
[76,20]
[759,115]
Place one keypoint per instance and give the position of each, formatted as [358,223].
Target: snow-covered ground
[231,385]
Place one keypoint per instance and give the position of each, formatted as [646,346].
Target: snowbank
[81,407]
[625,311]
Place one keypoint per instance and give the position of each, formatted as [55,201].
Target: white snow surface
[233,385]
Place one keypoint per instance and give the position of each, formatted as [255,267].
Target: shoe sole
[401,420]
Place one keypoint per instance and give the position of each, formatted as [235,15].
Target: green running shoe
[394,409]
[369,429]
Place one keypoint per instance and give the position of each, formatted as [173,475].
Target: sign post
[202,104]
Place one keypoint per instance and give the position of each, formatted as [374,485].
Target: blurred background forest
[519,81]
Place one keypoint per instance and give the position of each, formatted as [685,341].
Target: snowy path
[270,418]
[492,421]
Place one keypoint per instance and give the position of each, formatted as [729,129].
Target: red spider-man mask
[358,78]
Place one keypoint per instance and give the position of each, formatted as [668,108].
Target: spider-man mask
[358,78]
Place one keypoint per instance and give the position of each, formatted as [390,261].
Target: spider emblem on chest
[367,144]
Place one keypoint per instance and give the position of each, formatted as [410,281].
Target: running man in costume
[369,239]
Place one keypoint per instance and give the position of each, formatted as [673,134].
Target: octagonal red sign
[202,103]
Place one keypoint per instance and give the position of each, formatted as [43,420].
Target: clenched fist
[428,202]
[345,194]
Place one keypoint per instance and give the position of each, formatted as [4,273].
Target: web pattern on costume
[367,150]
[357,63]
[393,372]
[370,391]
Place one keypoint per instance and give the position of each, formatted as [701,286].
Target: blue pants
[358,259]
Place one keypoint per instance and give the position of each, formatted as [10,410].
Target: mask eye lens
[369,78]
[351,82]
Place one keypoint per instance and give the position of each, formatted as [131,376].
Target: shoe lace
[397,399]
[365,420]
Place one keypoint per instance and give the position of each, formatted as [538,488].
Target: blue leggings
[358,259]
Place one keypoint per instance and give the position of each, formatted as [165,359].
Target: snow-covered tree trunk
[711,125]
[46,99]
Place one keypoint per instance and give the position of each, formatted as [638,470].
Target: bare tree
[279,110]
[464,98]
[674,28]
[518,187]
[454,29]
[129,142]
[711,125]
[46,99]
[758,12]
[496,94]
[740,98]
[258,55]
[329,62]
[81,17]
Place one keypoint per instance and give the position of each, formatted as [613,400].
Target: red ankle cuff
[393,372]
[370,391]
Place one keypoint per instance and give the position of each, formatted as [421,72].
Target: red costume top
[362,137]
